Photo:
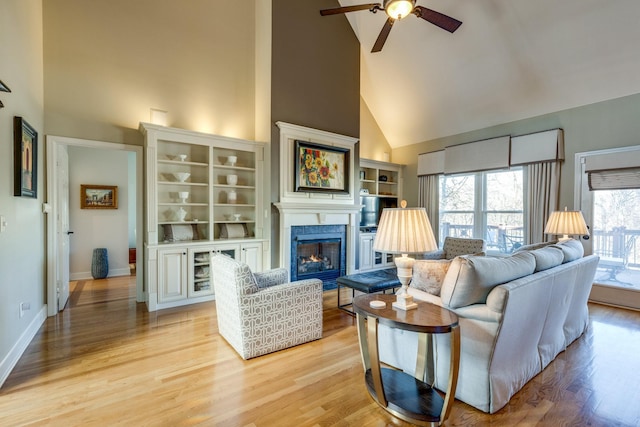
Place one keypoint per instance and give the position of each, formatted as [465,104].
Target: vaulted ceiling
[510,60]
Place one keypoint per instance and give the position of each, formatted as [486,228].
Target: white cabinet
[199,272]
[172,275]
[251,254]
[366,253]
[205,194]
[369,258]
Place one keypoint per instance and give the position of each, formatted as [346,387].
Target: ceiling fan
[395,10]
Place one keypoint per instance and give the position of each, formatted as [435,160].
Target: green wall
[608,124]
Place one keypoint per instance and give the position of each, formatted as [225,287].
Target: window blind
[618,179]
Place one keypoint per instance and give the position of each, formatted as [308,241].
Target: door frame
[51,208]
[583,201]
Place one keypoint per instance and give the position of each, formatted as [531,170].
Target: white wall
[99,228]
[22,244]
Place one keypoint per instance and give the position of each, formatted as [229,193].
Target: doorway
[607,189]
[56,207]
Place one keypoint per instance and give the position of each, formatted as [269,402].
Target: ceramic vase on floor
[100,263]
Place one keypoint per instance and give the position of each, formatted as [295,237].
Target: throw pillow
[429,274]
[470,279]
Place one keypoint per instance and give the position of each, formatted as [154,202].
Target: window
[616,225]
[487,205]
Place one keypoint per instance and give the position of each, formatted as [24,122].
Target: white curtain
[543,185]
[429,198]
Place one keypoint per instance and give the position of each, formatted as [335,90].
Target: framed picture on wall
[25,159]
[321,168]
[98,196]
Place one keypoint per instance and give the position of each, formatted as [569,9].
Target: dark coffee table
[368,283]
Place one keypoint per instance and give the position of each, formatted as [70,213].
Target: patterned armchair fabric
[261,313]
[455,246]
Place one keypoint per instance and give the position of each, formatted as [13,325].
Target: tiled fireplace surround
[312,210]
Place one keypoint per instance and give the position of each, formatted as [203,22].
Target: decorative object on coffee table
[100,263]
[404,231]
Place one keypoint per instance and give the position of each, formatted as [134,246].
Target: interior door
[62,222]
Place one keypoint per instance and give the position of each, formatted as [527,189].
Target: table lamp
[404,231]
[566,223]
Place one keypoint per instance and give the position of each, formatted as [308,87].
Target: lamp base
[404,302]
[404,266]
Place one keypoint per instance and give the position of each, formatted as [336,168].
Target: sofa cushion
[470,279]
[547,257]
[534,246]
[572,250]
[429,274]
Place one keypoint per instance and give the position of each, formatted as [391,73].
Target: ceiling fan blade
[382,37]
[436,18]
[347,9]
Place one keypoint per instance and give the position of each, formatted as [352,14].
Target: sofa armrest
[479,312]
[269,278]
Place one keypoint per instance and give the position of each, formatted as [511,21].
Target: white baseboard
[86,275]
[10,361]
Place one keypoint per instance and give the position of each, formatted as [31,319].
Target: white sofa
[516,315]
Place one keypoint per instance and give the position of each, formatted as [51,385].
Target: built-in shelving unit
[205,195]
[382,180]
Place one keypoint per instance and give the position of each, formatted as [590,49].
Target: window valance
[495,153]
[547,146]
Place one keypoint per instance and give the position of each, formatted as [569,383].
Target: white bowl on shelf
[182,176]
[232,179]
[231,160]
[183,196]
[237,216]
[182,157]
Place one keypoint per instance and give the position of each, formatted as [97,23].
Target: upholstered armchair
[259,313]
[454,246]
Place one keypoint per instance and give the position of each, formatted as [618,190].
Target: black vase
[100,263]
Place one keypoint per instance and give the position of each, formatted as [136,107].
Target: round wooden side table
[406,397]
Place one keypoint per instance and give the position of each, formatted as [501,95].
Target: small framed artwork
[25,159]
[98,196]
[321,168]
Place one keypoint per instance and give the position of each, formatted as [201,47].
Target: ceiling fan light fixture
[398,9]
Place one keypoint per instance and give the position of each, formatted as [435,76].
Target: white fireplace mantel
[314,208]
[299,214]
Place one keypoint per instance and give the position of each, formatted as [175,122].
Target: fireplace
[318,251]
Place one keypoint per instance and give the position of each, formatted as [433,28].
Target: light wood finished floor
[105,361]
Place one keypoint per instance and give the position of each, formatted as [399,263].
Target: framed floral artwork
[321,168]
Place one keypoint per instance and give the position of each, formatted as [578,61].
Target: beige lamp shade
[404,231]
[566,223]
